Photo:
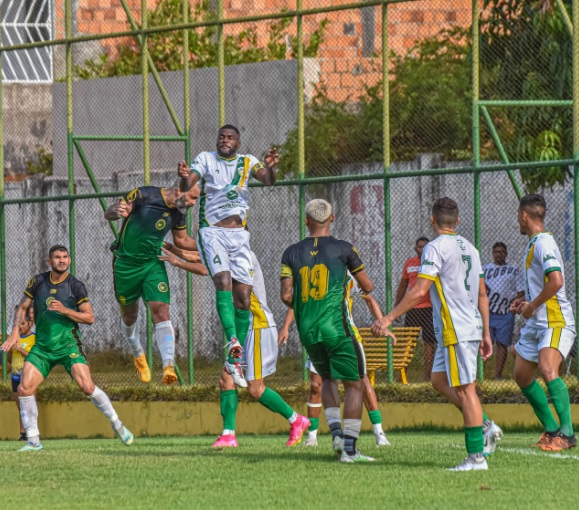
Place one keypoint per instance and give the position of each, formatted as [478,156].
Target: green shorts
[337,358]
[45,361]
[148,280]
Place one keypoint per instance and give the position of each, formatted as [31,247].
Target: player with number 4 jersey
[223,239]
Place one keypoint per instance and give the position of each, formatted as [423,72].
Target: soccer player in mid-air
[223,241]
[453,265]
[549,332]
[60,304]
[315,397]
[313,278]
[148,214]
[260,357]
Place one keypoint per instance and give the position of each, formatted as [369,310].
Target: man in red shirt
[421,314]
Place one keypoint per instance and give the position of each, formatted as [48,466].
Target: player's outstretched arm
[183,241]
[283,335]
[192,267]
[84,314]
[19,314]
[373,306]
[188,179]
[267,175]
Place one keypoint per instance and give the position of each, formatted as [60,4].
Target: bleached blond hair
[318,210]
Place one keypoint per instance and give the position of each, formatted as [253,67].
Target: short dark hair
[57,247]
[534,205]
[445,212]
[229,126]
[500,244]
[425,239]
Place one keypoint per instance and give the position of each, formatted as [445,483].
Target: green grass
[263,473]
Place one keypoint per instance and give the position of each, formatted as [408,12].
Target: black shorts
[15,382]
[422,317]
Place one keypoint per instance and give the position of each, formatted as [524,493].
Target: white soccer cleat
[235,371]
[472,463]
[356,458]
[311,442]
[381,439]
[338,445]
[492,435]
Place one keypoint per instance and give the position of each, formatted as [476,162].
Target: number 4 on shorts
[216,260]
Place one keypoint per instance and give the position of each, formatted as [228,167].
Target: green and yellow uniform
[138,272]
[319,268]
[58,340]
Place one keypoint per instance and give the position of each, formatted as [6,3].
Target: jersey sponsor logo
[163,287]
[427,262]
[30,283]
[165,215]
[160,225]
[232,195]
[49,300]
[548,257]
[314,253]
[53,291]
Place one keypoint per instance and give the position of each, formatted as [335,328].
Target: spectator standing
[421,314]
[504,283]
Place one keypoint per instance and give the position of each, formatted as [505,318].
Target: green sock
[375,416]
[241,324]
[224,302]
[314,424]
[538,400]
[228,400]
[485,417]
[560,398]
[275,403]
[473,437]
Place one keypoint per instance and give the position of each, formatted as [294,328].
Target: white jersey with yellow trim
[542,257]
[352,288]
[453,264]
[260,316]
[223,184]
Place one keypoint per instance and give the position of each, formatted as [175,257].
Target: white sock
[332,415]
[377,429]
[313,434]
[293,417]
[132,337]
[352,427]
[227,432]
[102,402]
[165,336]
[29,415]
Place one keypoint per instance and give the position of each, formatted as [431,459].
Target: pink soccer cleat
[226,441]
[297,429]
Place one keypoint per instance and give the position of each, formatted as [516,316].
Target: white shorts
[459,361]
[310,366]
[260,353]
[533,340]
[226,249]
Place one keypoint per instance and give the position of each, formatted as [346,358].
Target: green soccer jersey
[319,267]
[143,231]
[54,331]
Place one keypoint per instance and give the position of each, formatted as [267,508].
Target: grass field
[263,473]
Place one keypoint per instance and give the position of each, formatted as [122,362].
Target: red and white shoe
[235,370]
[226,441]
[297,430]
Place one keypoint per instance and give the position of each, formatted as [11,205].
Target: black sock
[336,429]
[350,445]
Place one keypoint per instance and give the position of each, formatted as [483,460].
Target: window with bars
[25,21]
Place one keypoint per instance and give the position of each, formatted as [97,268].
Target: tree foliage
[166,48]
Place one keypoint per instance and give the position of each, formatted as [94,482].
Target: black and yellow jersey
[54,331]
[143,231]
[319,267]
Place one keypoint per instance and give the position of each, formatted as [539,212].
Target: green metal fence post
[387,219]
[69,132]
[221,63]
[301,139]
[187,119]
[576,154]
[476,141]
[2,233]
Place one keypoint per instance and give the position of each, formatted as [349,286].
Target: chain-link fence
[481,118]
